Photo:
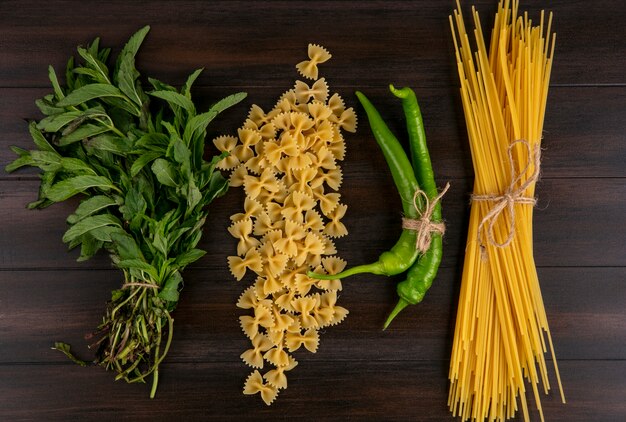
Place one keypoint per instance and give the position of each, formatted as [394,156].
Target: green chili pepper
[422,273]
[404,253]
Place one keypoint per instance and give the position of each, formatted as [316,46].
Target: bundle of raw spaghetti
[501,328]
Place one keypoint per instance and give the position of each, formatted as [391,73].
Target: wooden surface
[359,372]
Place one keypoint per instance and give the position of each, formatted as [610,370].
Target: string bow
[423,225]
[510,197]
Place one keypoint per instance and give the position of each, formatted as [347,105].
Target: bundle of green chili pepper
[404,256]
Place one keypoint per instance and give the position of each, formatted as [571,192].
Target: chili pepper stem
[400,93]
[373,268]
[399,307]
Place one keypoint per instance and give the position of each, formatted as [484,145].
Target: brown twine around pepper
[510,197]
[423,225]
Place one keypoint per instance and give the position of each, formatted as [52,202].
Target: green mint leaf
[75,165]
[90,92]
[188,257]
[93,47]
[132,46]
[169,291]
[160,86]
[111,143]
[134,203]
[69,187]
[47,161]
[47,107]
[227,102]
[186,89]
[153,142]
[47,179]
[125,71]
[22,161]
[197,125]
[143,160]
[100,69]
[126,246]
[123,104]
[93,74]
[19,151]
[194,196]
[104,233]
[181,152]
[103,55]
[55,83]
[126,76]
[40,140]
[161,244]
[165,172]
[171,130]
[86,131]
[175,234]
[88,224]
[217,187]
[193,239]
[90,206]
[56,122]
[89,246]
[69,75]
[174,99]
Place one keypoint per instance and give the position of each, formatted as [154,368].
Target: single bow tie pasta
[287,162]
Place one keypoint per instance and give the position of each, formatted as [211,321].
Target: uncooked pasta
[502,332]
[287,162]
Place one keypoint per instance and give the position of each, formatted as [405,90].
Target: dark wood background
[359,372]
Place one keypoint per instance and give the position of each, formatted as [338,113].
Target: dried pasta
[286,160]
[251,261]
[317,55]
[276,377]
[227,144]
[501,330]
[251,208]
[254,357]
[255,384]
[242,230]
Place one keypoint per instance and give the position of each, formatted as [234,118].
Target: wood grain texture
[360,372]
[253,43]
[328,391]
[571,149]
[48,306]
[562,219]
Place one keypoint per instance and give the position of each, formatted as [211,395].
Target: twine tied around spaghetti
[423,225]
[510,197]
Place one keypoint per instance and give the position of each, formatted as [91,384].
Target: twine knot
[510,197]
[423,225]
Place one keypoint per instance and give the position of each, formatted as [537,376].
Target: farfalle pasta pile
[286,161]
